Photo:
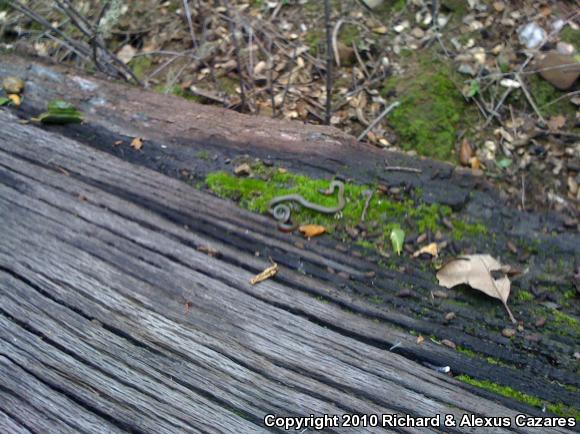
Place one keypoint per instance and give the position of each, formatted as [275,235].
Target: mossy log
[101,262]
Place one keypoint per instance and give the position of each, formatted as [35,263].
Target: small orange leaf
[137,143]
[310,231]
[15,99]
[431,249]
[474,162]
[465,153]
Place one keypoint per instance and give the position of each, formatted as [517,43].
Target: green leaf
[4,101]
[397,239]
[60,112]
[473,88]
[58,105]
[504,163]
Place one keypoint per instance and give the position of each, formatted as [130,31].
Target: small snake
[281,212]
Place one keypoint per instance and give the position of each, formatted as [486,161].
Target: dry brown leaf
[137,143]
[556,122]
[126,53]
[310,231]
[266,274]
[420,339]
[431,249]
[475,271]
[465,153]
[381,30]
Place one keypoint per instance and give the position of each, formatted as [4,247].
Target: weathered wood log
[109,312]
[176,134]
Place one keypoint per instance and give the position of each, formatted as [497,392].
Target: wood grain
[111,320]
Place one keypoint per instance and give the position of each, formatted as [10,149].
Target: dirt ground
[466,80]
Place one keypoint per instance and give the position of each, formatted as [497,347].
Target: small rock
[552,69]
[499,6]
[508,332]
[372,4]
[13,85]
[466,69]
[243,169]
[531,35]
[418,33]
[399,28]
[449,343]
[450,316]
[565,48]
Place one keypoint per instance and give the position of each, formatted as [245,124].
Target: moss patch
[255,193]
[558,408]
[524,295]
[431,109]
[570,35]
[140,65]
[462,229]
[544,93]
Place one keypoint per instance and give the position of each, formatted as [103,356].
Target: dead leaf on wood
[310,231]
[556,122]
[476,271]
[266,274]
[430,249]
[137,143]
[208,250]
[420,339]
[126,53]
[16,100]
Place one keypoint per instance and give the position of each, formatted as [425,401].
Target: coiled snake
[281,212]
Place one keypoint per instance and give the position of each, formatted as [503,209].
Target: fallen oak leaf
[476,271]
[266,274]
[310,231]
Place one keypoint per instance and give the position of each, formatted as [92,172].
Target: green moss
[313,39]
[228,85]
[349,34]
[389,7]
[254,194]
[203,155]
[524,295]
[572,36]
[560,319]
[544,93]
[177,91]
[431,109]
[465,351]
[558,408]
[140,65]
[462,228]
